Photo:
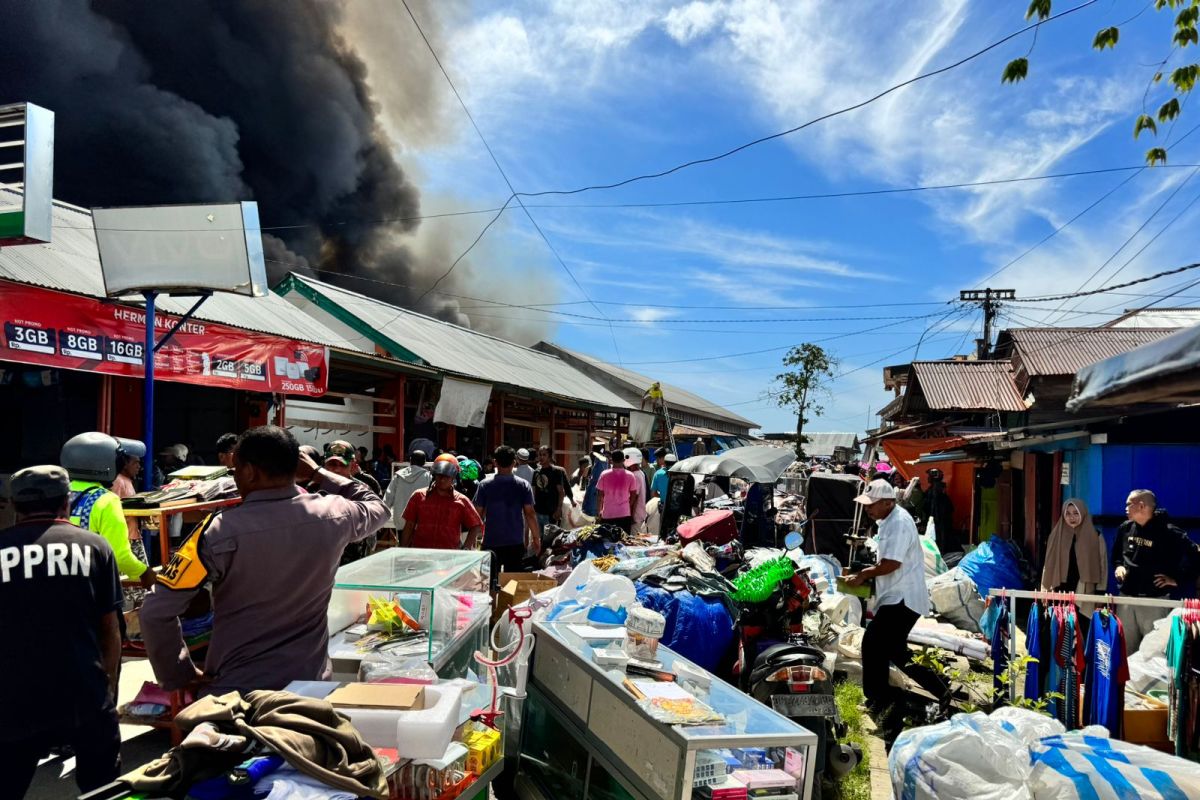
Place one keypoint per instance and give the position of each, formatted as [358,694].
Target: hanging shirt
[1176,647]
[1107,672]
[1000,647]
[1033,639]
[1053,669]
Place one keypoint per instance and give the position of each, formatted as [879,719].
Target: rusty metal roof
[965,386]
[1042,352]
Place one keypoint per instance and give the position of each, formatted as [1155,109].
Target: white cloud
[696,19]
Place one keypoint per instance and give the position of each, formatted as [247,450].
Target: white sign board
[215,247]
[1065,477]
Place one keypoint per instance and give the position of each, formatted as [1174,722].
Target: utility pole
[986,298]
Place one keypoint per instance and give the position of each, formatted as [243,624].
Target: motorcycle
[780,665]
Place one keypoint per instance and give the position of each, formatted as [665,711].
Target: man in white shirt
[901,597]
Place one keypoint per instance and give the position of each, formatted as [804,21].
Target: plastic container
[427,733]
[710,768]
[644,629]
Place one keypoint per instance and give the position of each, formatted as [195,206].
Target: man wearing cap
[658,484]
[523,470]
[901,597]
[617,493]
[61,597]
[342,459]
[271,564]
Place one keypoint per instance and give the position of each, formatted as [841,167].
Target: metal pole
[148,398]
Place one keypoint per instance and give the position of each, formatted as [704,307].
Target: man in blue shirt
[505,504]
[658,484]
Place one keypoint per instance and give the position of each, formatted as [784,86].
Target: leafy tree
[1182,79]
[804,385]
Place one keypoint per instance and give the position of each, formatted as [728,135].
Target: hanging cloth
[1036,671]
[1000,647]
[1107,673]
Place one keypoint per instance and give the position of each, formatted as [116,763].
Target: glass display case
[445,591]
[629,753]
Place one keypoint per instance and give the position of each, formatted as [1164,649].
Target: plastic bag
[842,609]
[698,628]
[594,596]
[1087,763]
[954,597]
[971,755]
[994,564]
[824,570]
[934,563]
[378,668]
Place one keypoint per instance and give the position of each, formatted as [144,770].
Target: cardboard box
[516,588]
[1146,726]
[396,696]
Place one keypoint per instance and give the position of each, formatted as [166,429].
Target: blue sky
[574,92]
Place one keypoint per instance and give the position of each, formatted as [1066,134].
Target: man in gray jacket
[406,481]
[271,562]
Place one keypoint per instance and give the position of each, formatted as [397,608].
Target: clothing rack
[1012,595]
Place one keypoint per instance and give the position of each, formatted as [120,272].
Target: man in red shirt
[436,517]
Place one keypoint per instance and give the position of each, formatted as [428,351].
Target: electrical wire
[507,182]
[1106,289]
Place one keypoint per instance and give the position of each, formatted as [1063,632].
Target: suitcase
[711,527]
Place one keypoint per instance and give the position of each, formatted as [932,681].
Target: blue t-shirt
[503,499]
[1107,671]
[1036,670]
[659,484]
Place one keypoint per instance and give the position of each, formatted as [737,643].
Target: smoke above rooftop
[266,100]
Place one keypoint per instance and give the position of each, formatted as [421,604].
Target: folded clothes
[291,784]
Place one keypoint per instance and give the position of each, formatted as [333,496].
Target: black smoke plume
[219,100]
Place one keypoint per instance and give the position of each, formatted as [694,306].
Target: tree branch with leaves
[804,385]
[1182,79]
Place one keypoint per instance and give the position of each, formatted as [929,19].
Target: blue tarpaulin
[699,629]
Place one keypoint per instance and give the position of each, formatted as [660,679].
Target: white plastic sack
[842,609]
[849,653]
[970,756]
[591,595]
[653,518]
[824,570]
[954,598]
[934,563]
[1088,764]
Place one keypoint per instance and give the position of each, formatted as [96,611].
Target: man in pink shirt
[617,493]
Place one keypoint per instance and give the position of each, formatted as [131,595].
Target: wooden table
[161,514]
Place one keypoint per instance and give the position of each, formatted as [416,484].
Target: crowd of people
[270,563]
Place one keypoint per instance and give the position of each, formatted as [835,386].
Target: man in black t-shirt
[550,486]
[60,594]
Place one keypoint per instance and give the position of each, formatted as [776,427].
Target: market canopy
[757,464]
[1163,371]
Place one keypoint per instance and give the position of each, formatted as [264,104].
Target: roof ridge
[410,312]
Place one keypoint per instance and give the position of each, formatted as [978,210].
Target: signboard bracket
[191,311]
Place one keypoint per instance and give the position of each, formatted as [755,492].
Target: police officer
[61,599]
[271,562]
[93,461]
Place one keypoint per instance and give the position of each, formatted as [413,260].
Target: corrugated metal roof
[469,353]
[71,263]
[824,445]
[677,398]
[1157,318]
[1040,352]
[967,385]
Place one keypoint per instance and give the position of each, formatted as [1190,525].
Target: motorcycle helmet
[93,456]
[470,469]
[445,464]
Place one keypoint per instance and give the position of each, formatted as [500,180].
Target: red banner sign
[54,329]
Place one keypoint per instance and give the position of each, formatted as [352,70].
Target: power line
[1130,238]
[507,182]
[1104,289]
[710,159]
[1092,205]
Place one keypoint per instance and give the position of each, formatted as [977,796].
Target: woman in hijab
[1076,557]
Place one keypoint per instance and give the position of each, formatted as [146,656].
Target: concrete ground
[55,778]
